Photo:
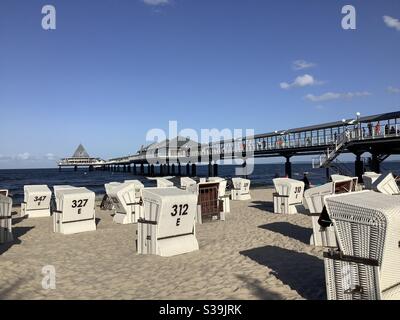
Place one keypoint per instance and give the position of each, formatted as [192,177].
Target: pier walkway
[379,135]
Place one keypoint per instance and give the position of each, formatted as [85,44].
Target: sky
[113,70]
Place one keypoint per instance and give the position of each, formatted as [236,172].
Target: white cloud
[156,2]
[300,81]
[335,96]
[50,156]
[23,156]
[393,90]
[392,22]
[302,64]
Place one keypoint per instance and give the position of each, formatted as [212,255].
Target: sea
[262,175]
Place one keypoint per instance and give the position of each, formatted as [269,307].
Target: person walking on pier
[378,129]
[370,129]
[306,181]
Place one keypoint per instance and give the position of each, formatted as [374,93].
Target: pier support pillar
[161,170]
[124,168]
[152,170]
[59,168]
[148,170]
[359,168]
[327,174]
[194,173]
[210,174]
[179,169]
[375,163]
[134,169]
[173,169]
[187,170]
[288,168]
[76,168]
[215,170]
[129,168]
[142,169]
[168,169]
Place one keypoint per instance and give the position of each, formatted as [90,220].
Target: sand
[254,254]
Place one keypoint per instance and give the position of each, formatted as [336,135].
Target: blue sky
[112,70]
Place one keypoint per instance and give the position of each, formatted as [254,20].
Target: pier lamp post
[358,114]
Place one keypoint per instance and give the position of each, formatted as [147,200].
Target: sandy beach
[254,254]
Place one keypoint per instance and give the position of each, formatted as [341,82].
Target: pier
[378,135]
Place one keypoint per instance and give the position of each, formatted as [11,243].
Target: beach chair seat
[36,202]
[6,234]
[241,189]
[75,211]
[366,263]
[222,194]
[127,202]
[106,202]
[209,206]
[167,227]
[288,196]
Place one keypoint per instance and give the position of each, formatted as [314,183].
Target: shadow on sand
[290,230]
[302,272]
[17,233]
[263,205]
[254,285]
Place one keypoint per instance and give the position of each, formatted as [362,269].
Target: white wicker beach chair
[36,203]
[288,196]
[369,178]
[127,201]
[222,194]
[323,231]
[186,182]
[164,183]
[367,225]
[75,211]
[167,227]
[386,184]
[6,234]
[241,189]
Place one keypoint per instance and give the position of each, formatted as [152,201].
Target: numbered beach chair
[186,182]
[167,227]
[366,265]
[241,189]
[288,196]
[6,234]
[164,183]
[222,194]
[323,231]
[369,178]
[75,211]
[36,201]
[127,202]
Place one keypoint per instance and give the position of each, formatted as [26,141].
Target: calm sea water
[14,180]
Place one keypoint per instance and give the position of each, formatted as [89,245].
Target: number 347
[181,210]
